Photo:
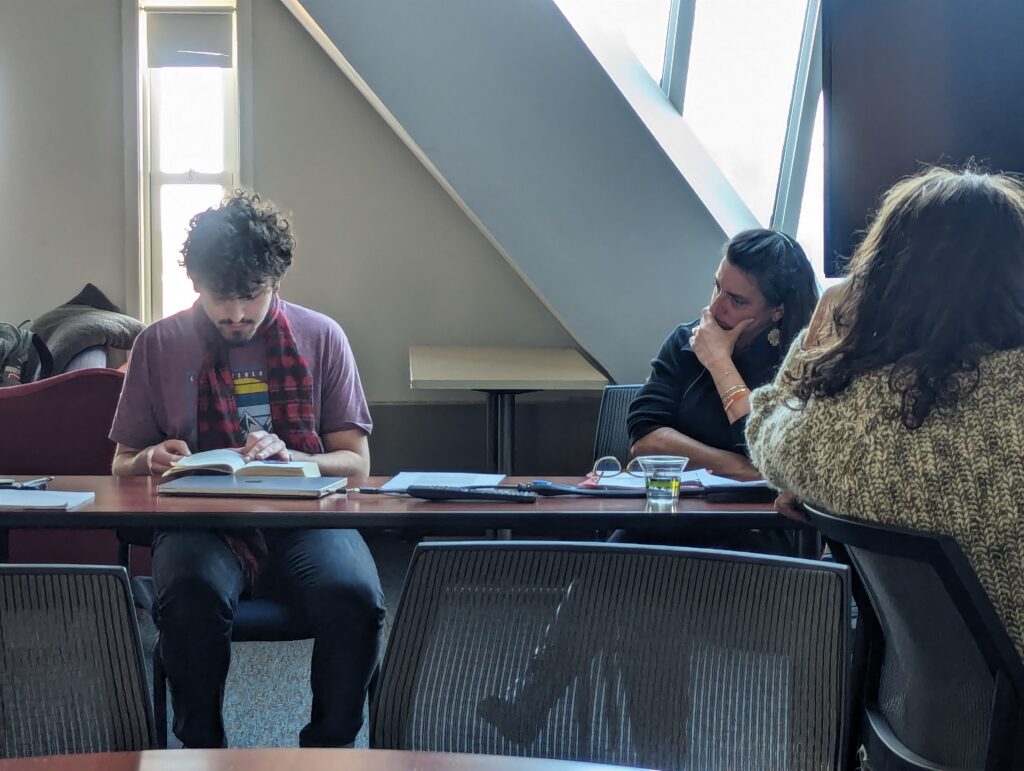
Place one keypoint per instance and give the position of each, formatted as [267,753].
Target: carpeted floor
[267,698]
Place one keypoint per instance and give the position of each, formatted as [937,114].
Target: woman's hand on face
[822,329]
[713,344]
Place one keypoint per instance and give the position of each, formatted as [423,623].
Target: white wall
[61,166]
[381,247]
[531,133]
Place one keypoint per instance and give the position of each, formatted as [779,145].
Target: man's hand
[712,344]
[260,445]
[788,506]
[161,456]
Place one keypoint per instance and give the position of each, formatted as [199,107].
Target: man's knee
[194,602]
[352,602]
[197,579]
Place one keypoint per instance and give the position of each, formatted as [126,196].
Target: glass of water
[662,474]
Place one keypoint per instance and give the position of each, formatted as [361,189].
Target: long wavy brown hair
[936,284]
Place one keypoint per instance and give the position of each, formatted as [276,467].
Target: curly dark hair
[937,283]
[238,248]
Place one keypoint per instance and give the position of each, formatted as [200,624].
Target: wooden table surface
[133,502]
[502,369]
[290,760]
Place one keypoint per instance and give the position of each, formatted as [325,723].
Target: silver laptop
[271,487]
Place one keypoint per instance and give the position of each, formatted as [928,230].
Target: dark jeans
[329,575]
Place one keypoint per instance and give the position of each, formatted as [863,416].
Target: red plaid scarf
[290,386]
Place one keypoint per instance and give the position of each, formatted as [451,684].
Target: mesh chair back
[61,423]
[659,657]
[942,654]
[71,672]
[934,690]
[612,435]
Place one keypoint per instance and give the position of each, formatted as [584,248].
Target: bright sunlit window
[739,87]
[645,25]
[191,125]
[811,230]
[190,135]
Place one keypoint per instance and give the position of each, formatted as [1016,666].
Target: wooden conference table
[133,502]
[291,760]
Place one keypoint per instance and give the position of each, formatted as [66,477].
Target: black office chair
[71,668]
[943,684]
[256,620]
[661,657]
[612,436]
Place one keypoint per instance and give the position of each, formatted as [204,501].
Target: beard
[237,338]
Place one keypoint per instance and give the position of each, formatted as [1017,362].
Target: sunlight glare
[178,205]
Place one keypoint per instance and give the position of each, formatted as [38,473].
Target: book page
[279,468]
[708,479]
[225,461]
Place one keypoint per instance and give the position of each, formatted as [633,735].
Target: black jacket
[682,395]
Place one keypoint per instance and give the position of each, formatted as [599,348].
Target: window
[190,135]
[738,70]
[811,231]
[739,85]
[645,25]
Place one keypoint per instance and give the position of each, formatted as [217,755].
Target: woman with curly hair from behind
[903,403]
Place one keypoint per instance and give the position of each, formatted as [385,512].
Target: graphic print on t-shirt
[252,396]
[253,399]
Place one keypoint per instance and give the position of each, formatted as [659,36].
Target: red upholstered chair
[59,426]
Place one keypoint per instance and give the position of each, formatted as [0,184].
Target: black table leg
[501,423]
[808,543]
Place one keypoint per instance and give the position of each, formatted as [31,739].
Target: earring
[774,336]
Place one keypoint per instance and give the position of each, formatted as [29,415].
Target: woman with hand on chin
[695,402]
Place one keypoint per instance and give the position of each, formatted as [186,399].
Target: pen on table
[34,484]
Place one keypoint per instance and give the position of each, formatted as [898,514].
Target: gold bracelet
[736,397]
[731,391]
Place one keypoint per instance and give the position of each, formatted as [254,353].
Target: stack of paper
[696,478]
[43,500]
[406,479]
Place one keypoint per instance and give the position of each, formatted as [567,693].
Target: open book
[230,462]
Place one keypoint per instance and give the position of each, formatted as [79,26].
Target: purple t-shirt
[158,401]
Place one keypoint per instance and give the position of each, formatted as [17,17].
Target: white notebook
[405,479]
[43,500]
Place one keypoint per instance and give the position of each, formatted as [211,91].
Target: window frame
[807,91]
[146,284]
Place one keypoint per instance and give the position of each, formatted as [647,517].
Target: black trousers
[329,575]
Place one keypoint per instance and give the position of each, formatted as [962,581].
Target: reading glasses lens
[607,466]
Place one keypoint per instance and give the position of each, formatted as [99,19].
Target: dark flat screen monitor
[912,82]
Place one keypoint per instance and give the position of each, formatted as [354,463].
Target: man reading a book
[243,369]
